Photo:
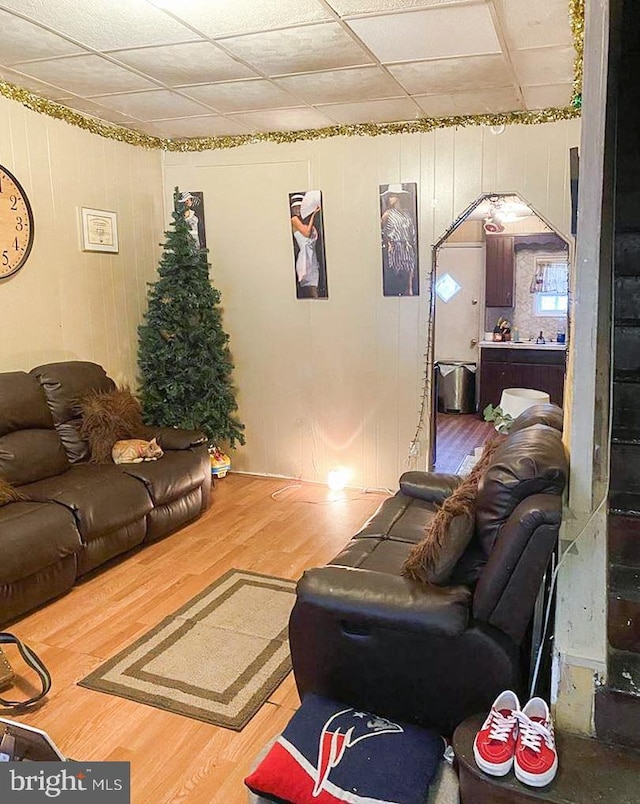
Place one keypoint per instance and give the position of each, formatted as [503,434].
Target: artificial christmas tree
[183,351]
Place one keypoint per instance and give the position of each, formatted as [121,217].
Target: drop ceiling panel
[452,75]
[159,104]
[437,32]
[192,63]
[548,96]
[346,7]
[85,75]
[535,24]
[283,119]
[101,112]
[229,17]
[378,111]
[184,127]
[21,41]
[475,102]
[298,50]
[33,85]
[242,96]
[335,86]
[549,65]
[104,24]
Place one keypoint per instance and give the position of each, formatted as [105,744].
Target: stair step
[623,672]
[589,771]
[621,375]
[624,504]
[627,253]
[629,437]
[627,300]
[624,582]
[624,540]
[626,408]
[626,351]
[623,624]
[625,467]
[617,720]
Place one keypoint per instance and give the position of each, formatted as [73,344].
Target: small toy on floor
[220,463]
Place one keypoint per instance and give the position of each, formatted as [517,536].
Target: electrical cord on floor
[360,496]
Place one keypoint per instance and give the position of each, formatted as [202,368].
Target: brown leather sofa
[78,515]
[363,634]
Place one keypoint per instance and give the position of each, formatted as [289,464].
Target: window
[550,287]
[447,287]
[551,304]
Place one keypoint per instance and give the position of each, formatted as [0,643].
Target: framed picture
[99,230]
[191,202]
[399,231]
[307,232]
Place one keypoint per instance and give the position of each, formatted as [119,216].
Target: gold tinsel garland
[420,126]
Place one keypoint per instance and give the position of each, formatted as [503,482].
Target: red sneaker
[495,744]
[536,759]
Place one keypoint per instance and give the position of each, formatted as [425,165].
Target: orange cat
[136,450]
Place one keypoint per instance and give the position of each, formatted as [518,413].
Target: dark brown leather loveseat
[363,634]
[77,515]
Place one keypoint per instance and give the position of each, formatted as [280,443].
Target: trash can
[456,386]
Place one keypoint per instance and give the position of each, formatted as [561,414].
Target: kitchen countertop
[522,345]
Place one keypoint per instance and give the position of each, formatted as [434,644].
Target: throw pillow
[107,417]
[449,533]
[9,493]
[331,752]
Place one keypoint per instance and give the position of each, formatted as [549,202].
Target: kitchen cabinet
[501,367]
[499,271]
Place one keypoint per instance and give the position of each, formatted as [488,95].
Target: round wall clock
[16,224]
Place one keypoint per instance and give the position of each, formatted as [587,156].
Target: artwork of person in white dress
[308,244]
[193,211]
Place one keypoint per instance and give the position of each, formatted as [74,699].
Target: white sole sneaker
[536,779]
[492,769]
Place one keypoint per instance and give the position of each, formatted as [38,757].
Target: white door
[460,321]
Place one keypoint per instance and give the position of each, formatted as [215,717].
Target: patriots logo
[341,732]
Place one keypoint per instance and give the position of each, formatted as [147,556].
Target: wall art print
[307,231]
[192,205]
[399,230]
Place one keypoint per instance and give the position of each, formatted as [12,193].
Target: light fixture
[337,479]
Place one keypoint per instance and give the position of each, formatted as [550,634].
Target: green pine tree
[183,351]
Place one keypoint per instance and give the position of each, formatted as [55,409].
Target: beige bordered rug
[217,659]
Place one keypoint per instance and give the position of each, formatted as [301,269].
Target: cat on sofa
[136,450]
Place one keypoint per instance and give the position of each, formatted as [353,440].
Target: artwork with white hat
[307,231]
[399,230]
[191,204]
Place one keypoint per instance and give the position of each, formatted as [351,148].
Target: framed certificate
[99,230]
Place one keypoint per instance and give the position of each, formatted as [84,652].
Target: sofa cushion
[34,536]
[107,417]
[9,493]
[64,385]
[173,475]
[530,461]
[30,455]
[22,403]
[433,561]
[546,413]
[401,518]
[381,555]
[102,498]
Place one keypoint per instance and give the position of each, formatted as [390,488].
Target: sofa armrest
[177,438]
[433,487]
[364,598]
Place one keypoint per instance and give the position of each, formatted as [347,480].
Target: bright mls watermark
[73,782]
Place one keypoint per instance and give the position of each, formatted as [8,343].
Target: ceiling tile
[38,87]
[192,63]
[485,101]
[85,75]
[376,111]
[334,86]
[298,50]
[297,119]
[228,17]
[549,65]
[97,110]
[527,24]
[451,75]
[366,6]
[241,96]
[206,126]
[433,33]
[159,104]
[21,41]
[548,96]
[103,24]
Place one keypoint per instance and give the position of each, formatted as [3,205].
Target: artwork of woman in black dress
[398,222]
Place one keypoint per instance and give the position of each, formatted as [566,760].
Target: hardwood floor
[457,435]
[174,758]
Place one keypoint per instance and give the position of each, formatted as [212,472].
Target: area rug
[217,659]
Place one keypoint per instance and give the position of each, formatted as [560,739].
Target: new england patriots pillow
[331,754]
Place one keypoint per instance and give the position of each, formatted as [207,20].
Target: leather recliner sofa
[363,634]
[77,515]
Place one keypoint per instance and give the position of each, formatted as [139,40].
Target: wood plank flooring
[457,435]
[173,758]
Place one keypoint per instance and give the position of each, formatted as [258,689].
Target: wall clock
[16,224]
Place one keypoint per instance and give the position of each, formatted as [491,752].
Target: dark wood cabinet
[503,367]
[499,268]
